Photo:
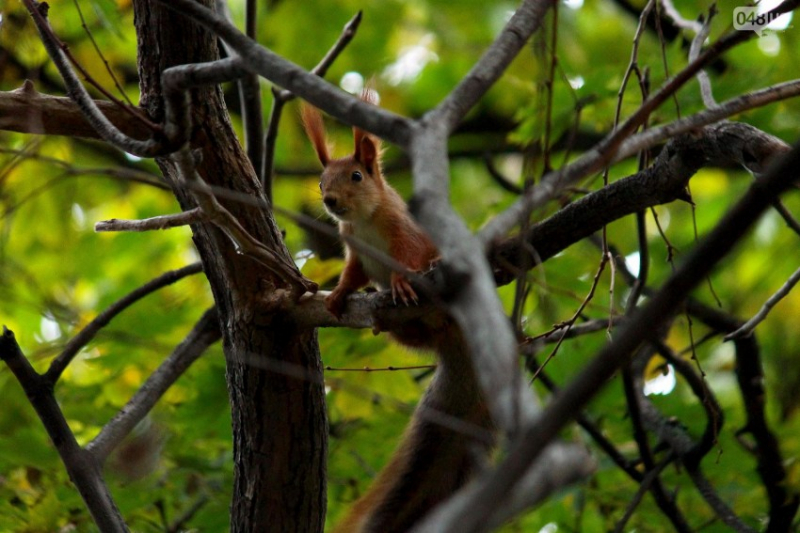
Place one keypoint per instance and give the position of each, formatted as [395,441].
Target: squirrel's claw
[334,303]
[402,288]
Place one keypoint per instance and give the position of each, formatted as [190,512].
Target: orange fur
[312,122]
[432,461]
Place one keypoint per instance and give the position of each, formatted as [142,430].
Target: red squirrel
[432,460]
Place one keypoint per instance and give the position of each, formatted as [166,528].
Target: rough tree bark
[274,371]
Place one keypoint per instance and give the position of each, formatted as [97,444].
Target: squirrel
[432,460]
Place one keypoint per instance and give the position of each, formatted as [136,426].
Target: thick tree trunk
[274,370]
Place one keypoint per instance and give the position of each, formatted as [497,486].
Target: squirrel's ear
[368,153]
[312,122]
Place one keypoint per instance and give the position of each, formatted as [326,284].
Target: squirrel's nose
[330,201]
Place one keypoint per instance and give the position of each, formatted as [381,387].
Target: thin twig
[697,44]
[747,328]
[154,223]
[105,63]
[243,242]
[644,486]
[526,20]
[369,369]
[249,91]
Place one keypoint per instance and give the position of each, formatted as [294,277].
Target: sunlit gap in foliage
[767,229]
[573,4]
[132,157]
[769,44]
[412,60]
[551,527]
[302,256]
[576,82]
[633,262]
[663,383]
[352,82]
[49,330]
[78,216]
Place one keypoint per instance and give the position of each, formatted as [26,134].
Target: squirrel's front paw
[334,303]
[403,289]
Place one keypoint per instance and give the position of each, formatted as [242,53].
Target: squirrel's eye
[356,176]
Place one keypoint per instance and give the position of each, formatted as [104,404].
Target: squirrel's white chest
[377,272]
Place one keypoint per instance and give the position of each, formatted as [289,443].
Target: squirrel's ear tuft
[367,147]
[312,122]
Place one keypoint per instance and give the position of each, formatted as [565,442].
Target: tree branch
[750,377]
[244,243]
[697,265]
[662,182]
[104,127]
[26,110]
[623,147]
[205,333]
[748,327]
[83,470]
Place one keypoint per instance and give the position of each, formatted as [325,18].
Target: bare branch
[244,243]
[672,12]
[83,470]
[525,21]
[68,169]
[205,333]
[748,327]
[155,223]
[27,111]
[100,321]
[694,51]
[249,92]
[593,160]
[664,181]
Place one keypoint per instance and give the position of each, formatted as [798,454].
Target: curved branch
[664,181]
[85,336]
[78,93]
[616,147]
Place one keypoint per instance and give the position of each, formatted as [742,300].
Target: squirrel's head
[351,186]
